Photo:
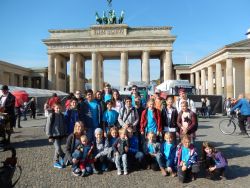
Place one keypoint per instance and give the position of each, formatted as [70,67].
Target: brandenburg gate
[105,42]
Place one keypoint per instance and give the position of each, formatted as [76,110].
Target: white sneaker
[125,172]
[119,172]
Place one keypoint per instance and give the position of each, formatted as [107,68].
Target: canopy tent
[33,92]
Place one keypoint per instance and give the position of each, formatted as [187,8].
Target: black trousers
[217,172]
[242,119]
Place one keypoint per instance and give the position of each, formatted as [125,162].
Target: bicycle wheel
[227,126]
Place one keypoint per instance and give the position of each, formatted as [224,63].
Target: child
[187,121]
[111,138]
[71,115]
[169,116]
[135,157]
[215,162]
[151,119]
[186,159]
[121,147]
[168,150]
[100,150]
[110,118]
[153,155]
[56,130]
[82,158]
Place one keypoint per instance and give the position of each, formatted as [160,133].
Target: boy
[56,130]
[121,149]
[110,118]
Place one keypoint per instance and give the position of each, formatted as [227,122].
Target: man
[183,97]
[128,116]
[244,106]
[90,114]
[7,105]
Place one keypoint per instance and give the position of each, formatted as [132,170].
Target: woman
[73,141]
[117,102]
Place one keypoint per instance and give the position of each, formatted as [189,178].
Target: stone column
[145,67]
[124,69]
[178,76]
[29,82]
[192,78]
[229,78]
[161,70]
[203,81]
[80,72]
[43,81]
[51,72]
[94,71]
[197,81]
[210,84]
[20,80]
[167,65]
[72,76]
[247,78]
[12,79]
[218,79]
[100,71]
[58,72]
[1,77]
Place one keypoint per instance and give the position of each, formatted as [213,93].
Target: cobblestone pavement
[35,156]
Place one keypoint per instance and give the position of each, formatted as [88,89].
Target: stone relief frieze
[109,45]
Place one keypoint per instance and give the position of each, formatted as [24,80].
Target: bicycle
[228,126]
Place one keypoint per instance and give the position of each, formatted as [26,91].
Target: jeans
[58,149]
[121,159]
[155,162]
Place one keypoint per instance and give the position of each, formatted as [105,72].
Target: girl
[153,155]
[73,141]
[56,130]
[186,159]
[215,162]
[71,115]
[117,102]
[169,116]
[187,121]
[168,150]
[111,138]
[151,119]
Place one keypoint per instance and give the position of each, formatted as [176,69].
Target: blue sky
[201,27]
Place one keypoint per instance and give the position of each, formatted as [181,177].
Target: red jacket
[144,119]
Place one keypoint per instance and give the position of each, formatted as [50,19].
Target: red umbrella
[21,97]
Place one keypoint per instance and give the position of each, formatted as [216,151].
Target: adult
[18,105]
[33,108]
[244,106]
[183,97]
[208,107]
[99,99]
[73,141]
[90,114]
[158,99]
[7,105]
[128,115]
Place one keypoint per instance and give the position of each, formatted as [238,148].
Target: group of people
[15,108]
[103,131]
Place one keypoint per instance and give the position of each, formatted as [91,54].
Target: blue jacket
[244,107]
[170,159]
[133,144]
[71,116]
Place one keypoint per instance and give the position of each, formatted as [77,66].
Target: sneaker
[242,134]
[84,173]
[76,172]
[125,172]
[57,165]
[119,172]
[95,171]
[61,161]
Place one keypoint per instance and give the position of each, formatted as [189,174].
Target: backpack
[123,111]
